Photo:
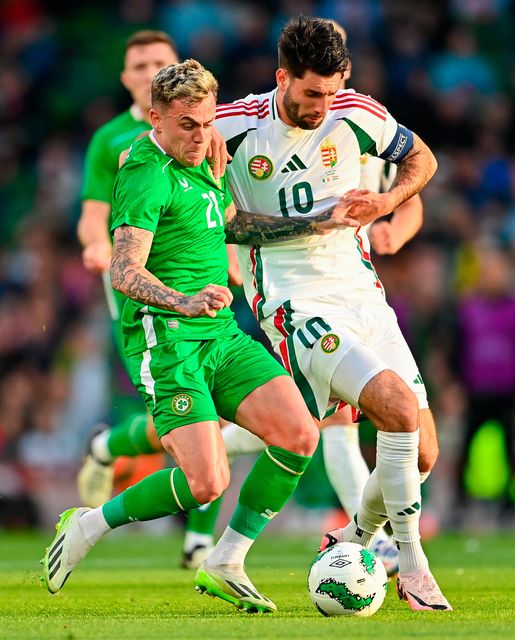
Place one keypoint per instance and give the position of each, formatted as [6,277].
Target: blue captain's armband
[399,146]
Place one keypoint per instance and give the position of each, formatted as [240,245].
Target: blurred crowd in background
[443,68]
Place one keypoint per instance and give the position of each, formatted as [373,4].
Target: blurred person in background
[485,362]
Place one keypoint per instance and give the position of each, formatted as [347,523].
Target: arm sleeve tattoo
[129,275]
[254,228]
[414,171]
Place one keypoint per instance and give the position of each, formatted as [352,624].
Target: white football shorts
[314,336]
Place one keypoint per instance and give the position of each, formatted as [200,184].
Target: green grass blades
[130,586]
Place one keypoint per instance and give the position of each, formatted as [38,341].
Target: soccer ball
[347,580]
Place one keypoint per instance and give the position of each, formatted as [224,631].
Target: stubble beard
[292,111]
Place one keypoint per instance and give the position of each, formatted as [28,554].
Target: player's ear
[347,72]
[124,80]
[155,119]
[281,76]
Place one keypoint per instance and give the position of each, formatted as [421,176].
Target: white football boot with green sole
[66,550]
[232,584]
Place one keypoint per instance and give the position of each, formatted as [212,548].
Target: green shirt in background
[185,209]
[102,157]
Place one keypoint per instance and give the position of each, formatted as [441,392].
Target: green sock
[160,494]
[129,438]
[267,488]
[203,519]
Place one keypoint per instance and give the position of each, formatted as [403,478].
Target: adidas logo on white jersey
[294,164]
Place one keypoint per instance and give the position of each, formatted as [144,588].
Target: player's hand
[206,302]
[217,154]
[365,206]
[383,238]
[340,217]
[97,256]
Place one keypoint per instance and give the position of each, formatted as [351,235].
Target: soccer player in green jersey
[146,52]
[187,357]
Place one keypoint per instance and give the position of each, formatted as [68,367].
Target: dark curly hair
[312,44]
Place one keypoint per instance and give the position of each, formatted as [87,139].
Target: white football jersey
[286,171]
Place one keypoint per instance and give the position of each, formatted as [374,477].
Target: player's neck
[282,111]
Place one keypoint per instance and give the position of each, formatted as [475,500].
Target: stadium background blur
[444,69]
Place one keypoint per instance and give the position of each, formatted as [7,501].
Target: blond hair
[188,81]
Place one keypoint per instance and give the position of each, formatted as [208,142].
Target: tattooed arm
[243,227]
[413,173]
[129,276]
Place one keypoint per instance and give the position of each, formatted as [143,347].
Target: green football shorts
[192,381]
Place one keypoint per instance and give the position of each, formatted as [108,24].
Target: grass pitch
[130,587]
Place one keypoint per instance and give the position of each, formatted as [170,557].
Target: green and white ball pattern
[347,580]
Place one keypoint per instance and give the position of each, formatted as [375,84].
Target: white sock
[99,448]
[412,558]
[231,549]
[93,525]
[370,516]
[399,479]
[239,441]
[372,511]
[345,466]
[193,539]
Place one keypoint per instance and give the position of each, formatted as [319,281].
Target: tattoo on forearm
[129,275]
[414,172]
[254,228]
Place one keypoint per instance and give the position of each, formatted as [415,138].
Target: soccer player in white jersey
[297,150]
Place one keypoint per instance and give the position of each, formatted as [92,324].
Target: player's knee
[304,440]
[398,412]
[207,491]
[209,487]
[390,403]
[405,414]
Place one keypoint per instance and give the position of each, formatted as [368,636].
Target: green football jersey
[184,207]
[102,157]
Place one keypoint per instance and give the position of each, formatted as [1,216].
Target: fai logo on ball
[181,404]
[330,343]
[260,167]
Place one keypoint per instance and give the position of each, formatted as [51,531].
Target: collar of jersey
[152,137]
